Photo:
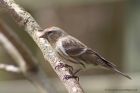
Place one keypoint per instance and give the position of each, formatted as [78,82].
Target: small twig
[31,26]
[12,51]
[27,64]
[10,68]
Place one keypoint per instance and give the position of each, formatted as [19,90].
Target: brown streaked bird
[75,51]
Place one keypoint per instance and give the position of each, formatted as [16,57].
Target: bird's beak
[42,35]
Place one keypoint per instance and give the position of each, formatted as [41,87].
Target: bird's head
[52,34]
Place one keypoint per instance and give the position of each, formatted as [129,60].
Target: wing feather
[73,47]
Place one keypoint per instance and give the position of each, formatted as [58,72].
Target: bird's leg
[73,75]
[78,70]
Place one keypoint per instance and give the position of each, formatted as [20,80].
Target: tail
[115,70]
[112,67]
[105,63]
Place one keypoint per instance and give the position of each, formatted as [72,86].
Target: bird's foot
[73,75]
[61,65]
[67,77]
[76,71]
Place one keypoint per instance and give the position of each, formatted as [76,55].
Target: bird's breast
[59,47]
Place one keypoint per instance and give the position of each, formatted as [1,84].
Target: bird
[76,52]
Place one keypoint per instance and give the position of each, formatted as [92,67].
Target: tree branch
[27,64]
[31,26]
[10,68]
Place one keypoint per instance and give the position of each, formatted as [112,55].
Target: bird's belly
[91,66]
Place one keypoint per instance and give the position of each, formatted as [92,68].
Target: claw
[61,65]
[66,77]
[73,75]
[69,77]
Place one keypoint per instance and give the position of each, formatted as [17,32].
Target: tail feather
[105,63]
[111,66]
[114,69]
[122,73]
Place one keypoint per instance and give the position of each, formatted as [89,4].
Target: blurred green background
[110,27]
